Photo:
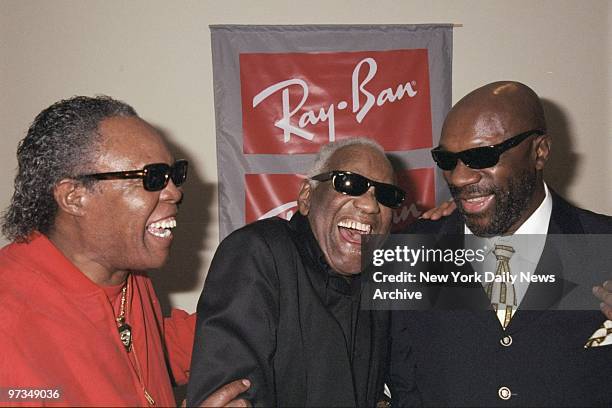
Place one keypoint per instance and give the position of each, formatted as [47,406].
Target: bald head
[509,107]
[496,190]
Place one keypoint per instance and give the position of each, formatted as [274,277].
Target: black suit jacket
[263,315]
[456,357]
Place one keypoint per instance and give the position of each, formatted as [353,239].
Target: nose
[462,175]
[367,202]
[171,193]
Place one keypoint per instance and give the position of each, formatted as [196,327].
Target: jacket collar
[563,220]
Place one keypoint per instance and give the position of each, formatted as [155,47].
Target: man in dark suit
[515,357]
[281,302]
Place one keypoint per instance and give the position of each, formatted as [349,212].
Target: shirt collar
[538,222]
[536,225]
[39,254]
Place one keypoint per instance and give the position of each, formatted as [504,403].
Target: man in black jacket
[493,150]
[281,302]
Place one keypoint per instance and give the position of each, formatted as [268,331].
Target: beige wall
[156,56]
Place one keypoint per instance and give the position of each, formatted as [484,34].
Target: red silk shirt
[58,332]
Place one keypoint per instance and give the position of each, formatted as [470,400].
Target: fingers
[427,215]
[443,210]
[242,403]
[225,396]
[449,207]
[607,311]
[604,293]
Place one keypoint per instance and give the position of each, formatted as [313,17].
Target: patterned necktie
[501,291]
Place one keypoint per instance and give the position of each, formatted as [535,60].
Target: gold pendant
[125,334]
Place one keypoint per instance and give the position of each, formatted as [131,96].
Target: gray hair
[61,142]
[321,162]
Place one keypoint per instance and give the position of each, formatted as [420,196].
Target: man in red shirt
[95,201]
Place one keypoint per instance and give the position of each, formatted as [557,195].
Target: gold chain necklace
[125,330]
[125,334]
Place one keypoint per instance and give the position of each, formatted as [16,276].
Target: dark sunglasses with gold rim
[154,176]
[354,184]
[480,157]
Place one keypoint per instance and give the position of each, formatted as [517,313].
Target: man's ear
[542,151]
[71,196]
[304,197]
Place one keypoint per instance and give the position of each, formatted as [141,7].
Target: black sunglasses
[480,157]
[354,184]
[154,176]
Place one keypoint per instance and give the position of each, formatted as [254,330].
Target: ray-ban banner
[281,92]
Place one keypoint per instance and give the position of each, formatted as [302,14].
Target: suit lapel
[539,296]
[542,296]
[564,218]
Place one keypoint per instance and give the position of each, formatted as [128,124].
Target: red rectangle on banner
[420,188]
[297,102]
[275,195]
[271,195]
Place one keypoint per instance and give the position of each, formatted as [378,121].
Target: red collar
[42,257]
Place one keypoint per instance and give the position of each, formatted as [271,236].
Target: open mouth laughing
[474,205]
[162,228]
[351,230]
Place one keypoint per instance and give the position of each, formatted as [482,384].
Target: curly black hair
[61,143]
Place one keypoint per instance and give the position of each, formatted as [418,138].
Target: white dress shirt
[528,242]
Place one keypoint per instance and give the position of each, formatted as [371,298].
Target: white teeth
[477,199]
[167,223]
[162,234]
[356,225]
[162,228]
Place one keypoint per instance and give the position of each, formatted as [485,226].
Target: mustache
[470,190]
